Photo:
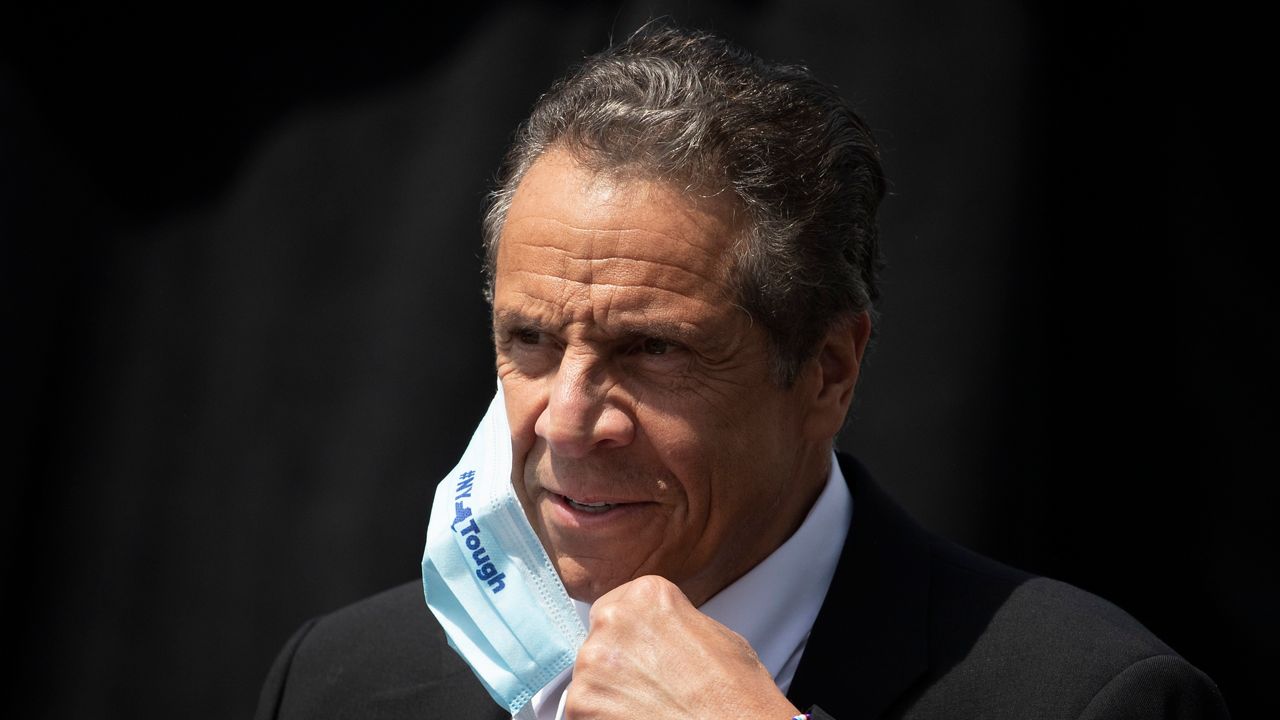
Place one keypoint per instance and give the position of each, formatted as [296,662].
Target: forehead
[573,233]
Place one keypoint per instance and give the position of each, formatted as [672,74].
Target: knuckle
[654,588]
[590,655]
[603,615]
[658,592]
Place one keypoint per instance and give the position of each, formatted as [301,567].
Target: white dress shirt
[775,604]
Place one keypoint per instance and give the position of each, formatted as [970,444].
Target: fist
[651,654]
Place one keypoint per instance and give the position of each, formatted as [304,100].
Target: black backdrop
[244,337]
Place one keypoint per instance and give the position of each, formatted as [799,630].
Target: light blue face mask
[488,579]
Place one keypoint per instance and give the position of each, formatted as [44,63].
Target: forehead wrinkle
[712,250]
[624,272]
[617,311]
[530,310]
[606,263]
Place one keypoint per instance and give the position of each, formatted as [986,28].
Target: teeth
[589,507]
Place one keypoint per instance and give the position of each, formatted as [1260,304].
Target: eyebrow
[683,333]
[510,319]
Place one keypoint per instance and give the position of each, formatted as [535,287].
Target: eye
[655,346]
[527,336]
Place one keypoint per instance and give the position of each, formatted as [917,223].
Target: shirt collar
[775,604]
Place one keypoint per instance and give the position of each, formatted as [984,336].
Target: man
[682,261]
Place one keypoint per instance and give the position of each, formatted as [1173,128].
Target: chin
[584,585]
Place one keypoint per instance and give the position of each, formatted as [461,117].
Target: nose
[579,417]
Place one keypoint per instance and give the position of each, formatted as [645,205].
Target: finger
[647,591]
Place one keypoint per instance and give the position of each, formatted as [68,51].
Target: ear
[839,358]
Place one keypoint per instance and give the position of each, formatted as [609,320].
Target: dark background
[243,332]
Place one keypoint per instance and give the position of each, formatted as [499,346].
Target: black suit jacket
[912,627]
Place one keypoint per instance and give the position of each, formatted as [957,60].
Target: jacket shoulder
[1005,643]
[1021,608]
[383,657]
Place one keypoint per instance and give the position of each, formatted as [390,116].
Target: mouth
[598,517]
[589,507]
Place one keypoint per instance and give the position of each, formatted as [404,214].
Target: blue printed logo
[485,569]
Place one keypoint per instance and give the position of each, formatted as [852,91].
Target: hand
[651,654]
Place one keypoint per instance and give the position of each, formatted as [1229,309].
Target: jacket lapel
[869,643]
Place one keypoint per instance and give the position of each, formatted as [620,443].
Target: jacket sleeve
[274,687]
[1162,686]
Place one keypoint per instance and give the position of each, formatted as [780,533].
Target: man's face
[648,434]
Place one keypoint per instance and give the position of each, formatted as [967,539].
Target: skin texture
[651,654]
[632,379]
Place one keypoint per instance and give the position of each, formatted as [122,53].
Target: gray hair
[691,107]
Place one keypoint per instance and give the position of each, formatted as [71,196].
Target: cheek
[736,453]
[687,455]
[525,403]
[703,436]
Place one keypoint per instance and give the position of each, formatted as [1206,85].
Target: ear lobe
[839,359]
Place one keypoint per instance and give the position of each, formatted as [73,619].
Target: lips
[593,518]
[594,505]
[589,507]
